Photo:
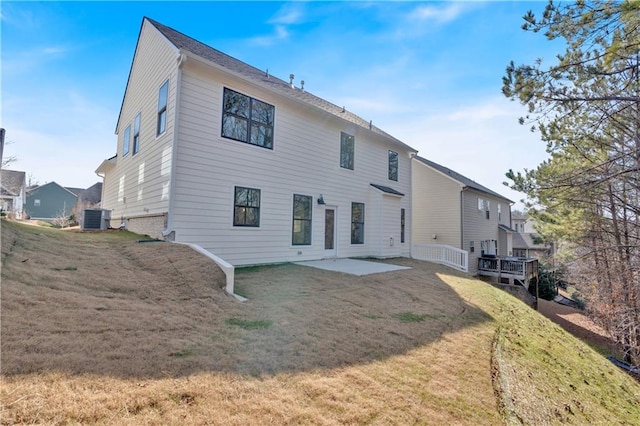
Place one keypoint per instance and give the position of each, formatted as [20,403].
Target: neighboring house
[526,242]
[451,209]
[87,199]
[50,201]
[252,168]
[12,192]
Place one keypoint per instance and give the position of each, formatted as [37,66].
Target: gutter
[180,60]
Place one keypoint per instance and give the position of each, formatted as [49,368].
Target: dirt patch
[577,323]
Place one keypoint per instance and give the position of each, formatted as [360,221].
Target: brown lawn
[100,328]
[121,326]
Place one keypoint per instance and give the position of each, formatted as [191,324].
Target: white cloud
[481,141]
[280,33]
[289,14]
[438,14]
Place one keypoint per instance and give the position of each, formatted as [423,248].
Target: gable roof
[460,178]
[262,78]
[11,182]
[75,191]
[526,240]
[93,194]
[33,189]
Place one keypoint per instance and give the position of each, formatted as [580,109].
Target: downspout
[102,189]
[462,217]
[169,232]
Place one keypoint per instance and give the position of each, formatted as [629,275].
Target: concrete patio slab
[352,266]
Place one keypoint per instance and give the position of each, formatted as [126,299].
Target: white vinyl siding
[436,207]
[154,64]
[191,170]
[477,227]
[304,141]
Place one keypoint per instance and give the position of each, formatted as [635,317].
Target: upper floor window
[393,165]
[499,211]
[162,108]
[357,223]
[246,207]
[247,119]
[125,140]
[301,233]
[347,148]
[485,206]
[36,203]
[136,134]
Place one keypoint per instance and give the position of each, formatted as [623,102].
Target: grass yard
[100,328]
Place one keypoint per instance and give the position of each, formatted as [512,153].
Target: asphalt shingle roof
[11,182]
[261,77]
[387,189]
[460,178]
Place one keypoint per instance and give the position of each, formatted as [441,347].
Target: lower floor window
[520,252]
[301,232]
[357,223]
[246,207]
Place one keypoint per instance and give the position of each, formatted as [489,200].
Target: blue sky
[429,73]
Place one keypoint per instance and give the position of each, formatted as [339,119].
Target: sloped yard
[101,328]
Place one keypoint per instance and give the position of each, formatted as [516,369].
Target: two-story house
[214,152]
[453,210]
[526,241]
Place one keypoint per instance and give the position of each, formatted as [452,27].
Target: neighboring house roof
[32,189]
[92,195]
[460,178]
[516,215]
[507,228]
[387,190]
[263,78]
[75,191]
[11,182]
[526,240]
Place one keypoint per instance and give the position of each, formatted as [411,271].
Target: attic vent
[95,219]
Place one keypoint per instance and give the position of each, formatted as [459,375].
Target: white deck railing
[440,253]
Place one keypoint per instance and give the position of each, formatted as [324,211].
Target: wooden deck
[516,268]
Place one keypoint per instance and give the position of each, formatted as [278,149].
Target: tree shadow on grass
[157,311]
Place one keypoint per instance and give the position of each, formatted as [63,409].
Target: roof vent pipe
[302,85]
[267,73]
[291,77]
[370,124]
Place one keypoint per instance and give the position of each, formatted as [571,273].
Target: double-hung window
[162,108]
[136,134]
[301,232]
[393,165]
[347,150]
[125,140]
[357,223]
[246,119]
[246,207]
